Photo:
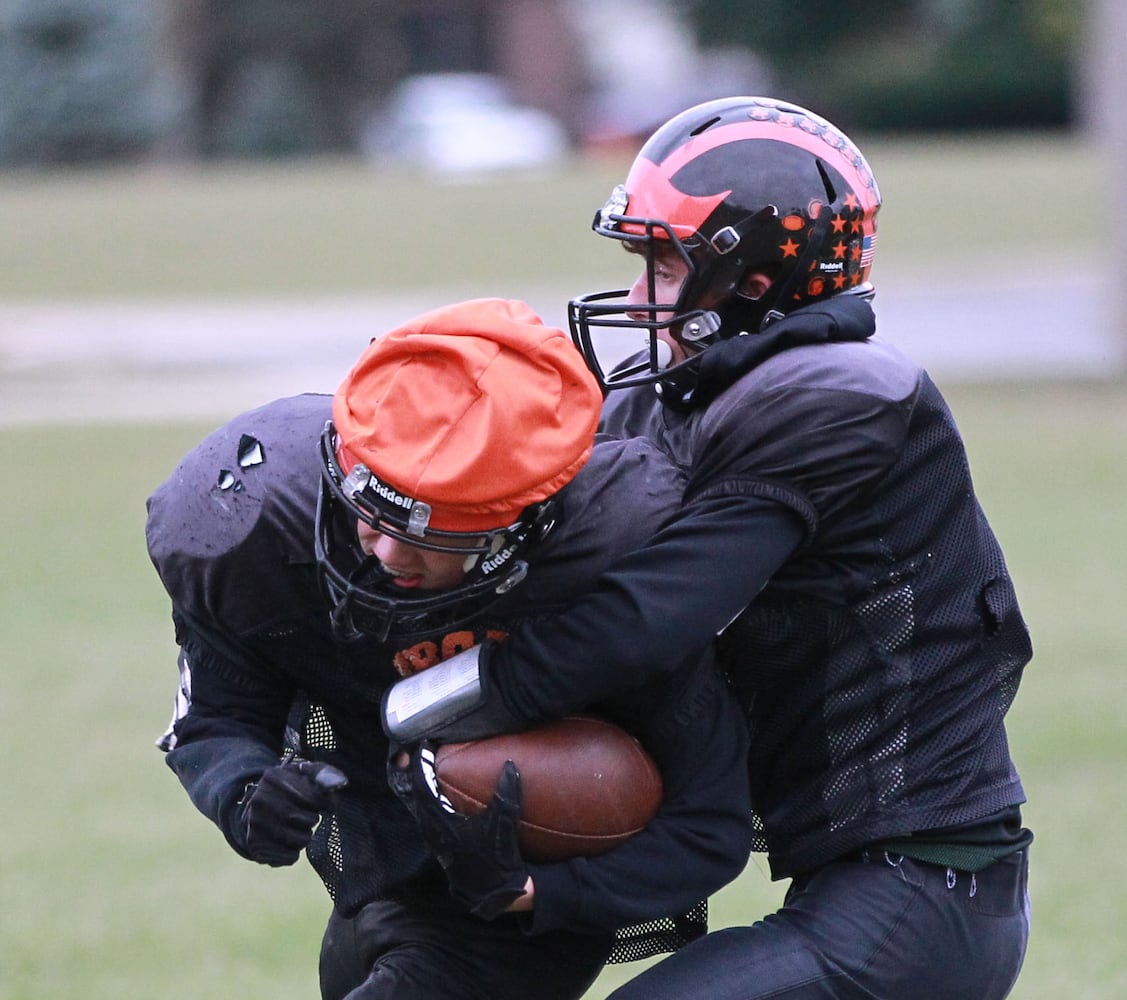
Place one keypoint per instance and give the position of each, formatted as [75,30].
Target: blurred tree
[1105,114]
[79,80]
[85,80]
[912,64]
[281,77]
[284,77]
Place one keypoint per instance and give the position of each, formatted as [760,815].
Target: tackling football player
[831,536]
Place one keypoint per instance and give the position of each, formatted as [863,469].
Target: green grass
[303,229]
[340,227]
[111,885]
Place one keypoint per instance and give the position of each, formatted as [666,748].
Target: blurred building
[277,77]
[324,74]
[95,80]
[89,80]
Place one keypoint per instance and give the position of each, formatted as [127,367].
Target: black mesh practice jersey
[231,532]
[832,537]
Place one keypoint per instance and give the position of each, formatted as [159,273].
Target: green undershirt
[967,848]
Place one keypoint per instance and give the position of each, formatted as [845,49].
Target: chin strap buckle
[701,327]
[771,316]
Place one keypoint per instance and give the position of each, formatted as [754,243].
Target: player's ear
[754,284]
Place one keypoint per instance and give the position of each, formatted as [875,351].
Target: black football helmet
[363,601]
[732,186]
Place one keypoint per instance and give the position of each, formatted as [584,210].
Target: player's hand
[278,813]
[480,854]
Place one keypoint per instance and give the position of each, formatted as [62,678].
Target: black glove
[278,813]
[480,854]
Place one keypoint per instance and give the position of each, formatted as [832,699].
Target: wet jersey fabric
[831,536]
[230,533]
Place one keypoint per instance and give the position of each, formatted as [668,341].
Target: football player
[319,548]
[831,536]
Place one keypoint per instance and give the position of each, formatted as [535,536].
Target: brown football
[586,784]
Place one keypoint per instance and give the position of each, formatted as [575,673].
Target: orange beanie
[478,409]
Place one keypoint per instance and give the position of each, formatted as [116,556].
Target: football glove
[480,854]
[277,814]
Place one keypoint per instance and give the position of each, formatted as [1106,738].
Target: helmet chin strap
[676,388]
[697,334]
[742,316]
[700,331]
[777,296]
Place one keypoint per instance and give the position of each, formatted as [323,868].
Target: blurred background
[96,81]
[234,156]
[208,203]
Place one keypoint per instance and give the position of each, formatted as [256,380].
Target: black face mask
[363,601]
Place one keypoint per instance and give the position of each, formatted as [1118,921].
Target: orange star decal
[839,282]
[839,250]
[851,201]
[789,249]
[838,223]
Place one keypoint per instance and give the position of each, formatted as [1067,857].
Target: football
[586,784]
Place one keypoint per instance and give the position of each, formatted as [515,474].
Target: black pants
[429,949]
[873,928]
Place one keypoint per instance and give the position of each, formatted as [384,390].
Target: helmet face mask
[649,239]
[732,187]
[364,602]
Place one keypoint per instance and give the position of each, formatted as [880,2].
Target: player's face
[412,567]
[670,272]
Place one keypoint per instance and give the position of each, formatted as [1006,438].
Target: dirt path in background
[132,361]
[172,361]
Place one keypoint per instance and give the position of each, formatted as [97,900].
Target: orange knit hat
[478,409]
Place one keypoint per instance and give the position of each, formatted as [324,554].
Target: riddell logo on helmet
[495,562]
[390,494]
[831,266]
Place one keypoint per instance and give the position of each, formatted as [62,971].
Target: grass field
[112,886]
[951,207]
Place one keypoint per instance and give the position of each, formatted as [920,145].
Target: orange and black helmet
[733,186]
[454,432]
